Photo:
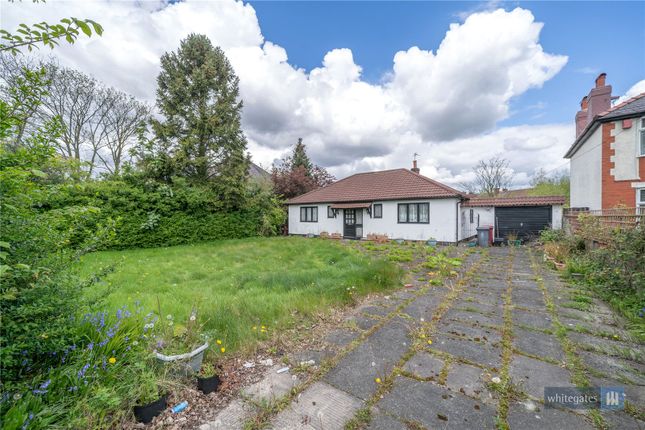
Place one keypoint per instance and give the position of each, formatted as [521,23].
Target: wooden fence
[600,223]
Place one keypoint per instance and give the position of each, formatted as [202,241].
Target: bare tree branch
[492,175]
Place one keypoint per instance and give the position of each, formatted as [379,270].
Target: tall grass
[240,284]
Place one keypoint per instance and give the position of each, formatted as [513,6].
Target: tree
[300,157]
[198,95]
[555,185]
[47,34]
[124,118]
[492,175]
[297,175]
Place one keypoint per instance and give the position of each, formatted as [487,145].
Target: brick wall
[615,193]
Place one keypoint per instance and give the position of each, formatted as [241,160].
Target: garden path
[473,353]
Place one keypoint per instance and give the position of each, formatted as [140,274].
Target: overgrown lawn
[237,285]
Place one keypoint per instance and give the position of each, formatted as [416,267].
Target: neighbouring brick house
[608,155]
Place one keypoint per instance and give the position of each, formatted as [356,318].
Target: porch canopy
[350,205]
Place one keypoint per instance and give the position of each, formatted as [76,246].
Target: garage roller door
[525,221]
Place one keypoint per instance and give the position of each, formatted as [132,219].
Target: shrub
[150,214]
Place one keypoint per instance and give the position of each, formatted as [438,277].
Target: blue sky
[596,36]
[365,83]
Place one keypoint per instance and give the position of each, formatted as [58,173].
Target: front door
[353,223]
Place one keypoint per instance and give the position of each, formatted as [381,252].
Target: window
[640,198]
[472,216]
[309,214]
[377,210]
[414,213]
[641,137]
[330,212]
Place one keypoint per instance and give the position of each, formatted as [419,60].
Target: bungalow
[608,154]
[402,203]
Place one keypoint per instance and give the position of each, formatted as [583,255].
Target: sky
[369,84]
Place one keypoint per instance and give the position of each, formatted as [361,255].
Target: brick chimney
[414,168]
[598,101]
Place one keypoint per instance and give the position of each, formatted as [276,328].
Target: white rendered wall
[625,158]
[586,176]
[442,226]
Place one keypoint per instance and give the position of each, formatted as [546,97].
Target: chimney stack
[597,102]
[415,169]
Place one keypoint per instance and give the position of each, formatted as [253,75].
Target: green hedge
[153,215]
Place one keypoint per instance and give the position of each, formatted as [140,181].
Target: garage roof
[515,201]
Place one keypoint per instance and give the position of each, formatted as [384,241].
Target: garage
[523,221]
[522,216]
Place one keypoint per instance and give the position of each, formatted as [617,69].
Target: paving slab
[425,305]
[272,386]
[435,407]
[341,337]
[232,417]
[319,407]
[539,320]
[375,357]
[483,308]
[533,375]
[634,394]
[614,366]
[424,365]
[468,380]
[480,353]
[606,345]
[474,317]
[363,322]
[619,420]
[471,332]
[531,416]
[374,310]
[538,344]
[381,421]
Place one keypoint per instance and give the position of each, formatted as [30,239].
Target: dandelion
[170,324]
[135,343]
[423,336]
[193,317]
[255,327]
[429,342]
[377,380]
[112,360]
[219,342]
[168,317]
[222,349]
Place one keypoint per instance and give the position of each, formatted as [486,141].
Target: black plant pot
[208,385]
[145,414]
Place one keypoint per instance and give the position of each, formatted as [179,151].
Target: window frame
[374,206]
[331,213]
[640,192]
[313,212]
[407,213]
[472,216]
[640,136]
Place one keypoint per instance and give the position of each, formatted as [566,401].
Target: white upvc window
[641,137]
[640,198]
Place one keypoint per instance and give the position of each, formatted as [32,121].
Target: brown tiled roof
[383,185]
[632,107]
[516,201]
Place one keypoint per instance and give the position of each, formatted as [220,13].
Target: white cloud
[636,89]
[444,105]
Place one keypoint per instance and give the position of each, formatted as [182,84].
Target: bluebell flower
[90,346]
[81,373]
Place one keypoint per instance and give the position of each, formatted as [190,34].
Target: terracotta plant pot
[145,414]
[208,385]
